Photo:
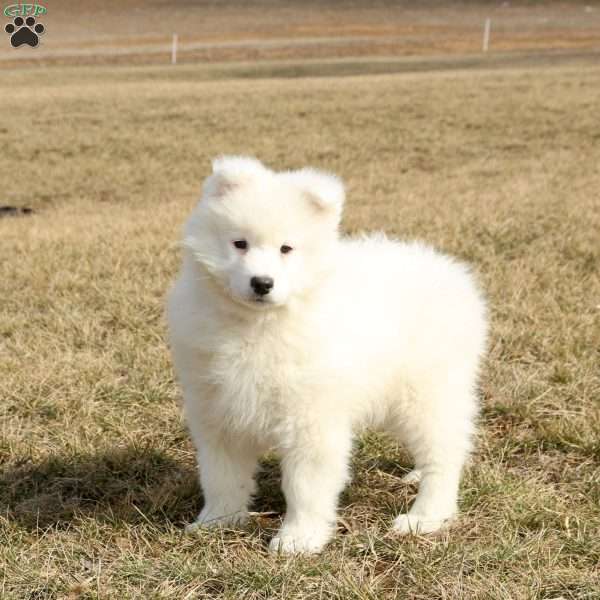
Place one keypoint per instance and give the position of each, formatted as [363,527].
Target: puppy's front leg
[227,479]
[315,470]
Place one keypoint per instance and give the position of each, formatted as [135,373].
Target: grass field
[139,31]
[500,167]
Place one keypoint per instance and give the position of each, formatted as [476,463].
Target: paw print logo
[24,31]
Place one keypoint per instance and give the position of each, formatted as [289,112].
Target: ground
[499,166]
[140,31]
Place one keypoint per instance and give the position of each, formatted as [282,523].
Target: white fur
[355,332]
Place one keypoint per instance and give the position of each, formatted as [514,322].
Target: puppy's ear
[324,191]
[230,172]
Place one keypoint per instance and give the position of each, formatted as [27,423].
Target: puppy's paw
[300,540]
[217,518]
[413,477]
[407,524]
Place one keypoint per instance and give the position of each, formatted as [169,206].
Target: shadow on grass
[137,484]
[129,485]
[125,484]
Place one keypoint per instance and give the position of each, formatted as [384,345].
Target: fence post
[486,34]
[174,50]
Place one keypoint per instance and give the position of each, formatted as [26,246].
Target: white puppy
[287,337]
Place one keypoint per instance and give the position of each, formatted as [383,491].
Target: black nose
[262,285]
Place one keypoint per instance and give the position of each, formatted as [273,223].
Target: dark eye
[241,244]
[285,249]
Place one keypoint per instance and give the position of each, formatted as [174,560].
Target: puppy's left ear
[324,191]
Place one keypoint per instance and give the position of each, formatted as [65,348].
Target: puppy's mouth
[264,300]
[259,304]
[255,301]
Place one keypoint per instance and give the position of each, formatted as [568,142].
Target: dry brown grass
[139,31]
[97,472]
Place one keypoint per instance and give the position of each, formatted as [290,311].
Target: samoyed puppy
[287,337]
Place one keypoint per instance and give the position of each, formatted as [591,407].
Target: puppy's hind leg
[439,441]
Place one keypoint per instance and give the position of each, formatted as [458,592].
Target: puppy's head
[265,237]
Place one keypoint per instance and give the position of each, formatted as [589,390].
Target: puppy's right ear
[229,172]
